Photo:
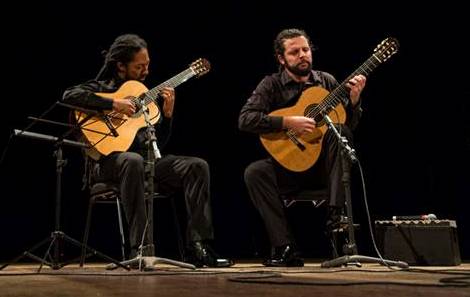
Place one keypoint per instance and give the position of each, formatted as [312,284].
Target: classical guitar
[114,132]
[299,153]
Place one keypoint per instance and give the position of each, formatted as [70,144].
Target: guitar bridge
[296,141]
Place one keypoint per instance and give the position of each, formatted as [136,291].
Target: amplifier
[419,242]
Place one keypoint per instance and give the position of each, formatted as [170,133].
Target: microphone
[343,140]
[429,217]
[150,131]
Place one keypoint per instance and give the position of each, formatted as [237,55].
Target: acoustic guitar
[114,132]
[299,153]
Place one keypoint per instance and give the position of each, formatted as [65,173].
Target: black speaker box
[420,242]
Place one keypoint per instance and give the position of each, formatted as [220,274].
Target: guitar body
[97,132]
[300,157]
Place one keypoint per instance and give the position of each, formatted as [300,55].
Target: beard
[300,71]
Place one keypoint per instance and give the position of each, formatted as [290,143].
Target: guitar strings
[366,68]
[152,94]
[335,97]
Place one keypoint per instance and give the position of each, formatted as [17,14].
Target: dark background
[413,140]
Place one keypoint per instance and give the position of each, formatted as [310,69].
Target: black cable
[449,283]
[369,220]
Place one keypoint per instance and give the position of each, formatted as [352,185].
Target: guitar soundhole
[319,119]
[312,112]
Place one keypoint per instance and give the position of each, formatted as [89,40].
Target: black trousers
[189,175]
[267,181]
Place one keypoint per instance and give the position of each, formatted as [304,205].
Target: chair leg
[177,229]
[87,231]
[121,229]
[333,237]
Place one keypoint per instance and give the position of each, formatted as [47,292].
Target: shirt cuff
[276,122]
[102,102]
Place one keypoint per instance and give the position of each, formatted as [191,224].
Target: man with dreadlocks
[128,59]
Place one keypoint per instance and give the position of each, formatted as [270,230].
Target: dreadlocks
[122,50]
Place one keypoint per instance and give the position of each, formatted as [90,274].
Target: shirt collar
[314,78]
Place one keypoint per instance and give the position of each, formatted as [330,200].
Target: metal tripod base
[148,263]
[53,260]
[357,259]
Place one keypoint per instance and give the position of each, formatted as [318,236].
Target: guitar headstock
[200,67]
[387,48]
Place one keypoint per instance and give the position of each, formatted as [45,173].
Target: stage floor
[246,278]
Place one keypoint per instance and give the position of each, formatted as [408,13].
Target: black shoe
[202,255]
[284,256]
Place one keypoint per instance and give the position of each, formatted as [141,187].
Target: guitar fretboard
[173,82]
[342,91]
[384,50]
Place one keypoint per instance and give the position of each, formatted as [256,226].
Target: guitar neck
[382,52]
[173,82]
[342,91]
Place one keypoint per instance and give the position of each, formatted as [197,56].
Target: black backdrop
[413,140]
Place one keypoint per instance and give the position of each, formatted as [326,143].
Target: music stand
[57,235]
[348,156]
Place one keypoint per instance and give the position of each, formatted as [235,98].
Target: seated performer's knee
[200,165]
[254,173]
[133,162]
[250,173]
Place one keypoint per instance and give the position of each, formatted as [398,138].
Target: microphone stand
[348,156]
[153,155]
